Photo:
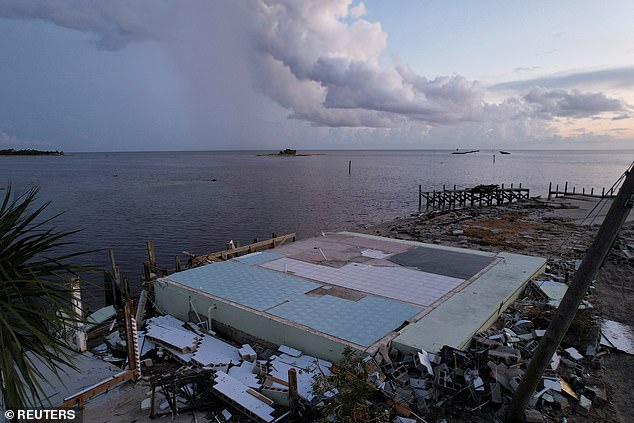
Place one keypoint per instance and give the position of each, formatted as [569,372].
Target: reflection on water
[197,201]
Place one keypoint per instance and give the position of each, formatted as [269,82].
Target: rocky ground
[560,230]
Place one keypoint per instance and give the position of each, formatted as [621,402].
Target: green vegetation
[288,152]
[34,298]
[29,152]
[351,403]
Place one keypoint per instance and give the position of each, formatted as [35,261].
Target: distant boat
[504,152]
[465,152]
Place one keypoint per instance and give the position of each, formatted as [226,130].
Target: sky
[88,75]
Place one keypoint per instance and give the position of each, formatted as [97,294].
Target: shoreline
[557,231]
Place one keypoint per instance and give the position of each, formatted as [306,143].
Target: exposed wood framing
[78,399]
[251,248]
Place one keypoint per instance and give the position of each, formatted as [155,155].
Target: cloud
[319,60]
[116,22]
[616,78]
[523,69]
[547,104]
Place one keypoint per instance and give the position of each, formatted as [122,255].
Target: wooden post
[115,269]
[118,302]
[550,190]
[150,254]
[126,288]
[557,191]
[293,396]
[566,188]
[583,190]
[420,196]
[147,272]
[116,276]
[592,191]
[349,166]
[603,192]
[177,263]
[107,288]
[574,189]
[569,305]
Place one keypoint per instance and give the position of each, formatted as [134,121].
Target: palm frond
[35,297]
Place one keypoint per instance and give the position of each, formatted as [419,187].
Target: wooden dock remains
[583,192]
[481,195]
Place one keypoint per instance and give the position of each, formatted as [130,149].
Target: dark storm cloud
[318,59]
[116,22]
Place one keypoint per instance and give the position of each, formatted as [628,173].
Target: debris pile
[480,382]
[191,368]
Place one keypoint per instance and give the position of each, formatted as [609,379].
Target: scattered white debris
[375,254]
[617,335]
[214,352]
[226,414]
[168,331]
[552,383]
[99,317]
[307,368]
[244,374]
[289,351]
[554,361]
[243,397]
[422,360]
[247,353]
[573,353]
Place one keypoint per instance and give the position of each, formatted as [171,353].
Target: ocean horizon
[198,201]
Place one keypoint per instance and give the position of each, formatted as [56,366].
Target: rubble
[190,367]
[617,335]
[423,386]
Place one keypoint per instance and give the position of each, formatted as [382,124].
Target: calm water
[197,201]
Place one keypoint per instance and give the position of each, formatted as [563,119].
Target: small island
[29,152]
[289,152]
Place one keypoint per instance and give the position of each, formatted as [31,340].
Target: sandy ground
[559,230]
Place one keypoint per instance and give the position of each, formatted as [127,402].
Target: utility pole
[567,310]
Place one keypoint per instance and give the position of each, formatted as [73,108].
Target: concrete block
[399,374]
[504,354]
[573,354]
[247,353]
[584,405]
